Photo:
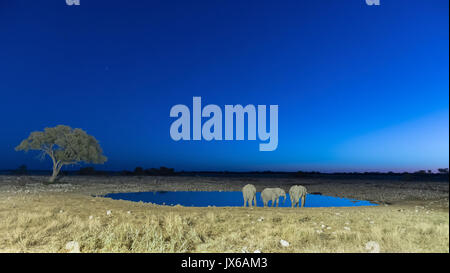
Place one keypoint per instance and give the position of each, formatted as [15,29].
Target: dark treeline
[441,174]
[138,171]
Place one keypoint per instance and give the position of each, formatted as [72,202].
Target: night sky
[359,87]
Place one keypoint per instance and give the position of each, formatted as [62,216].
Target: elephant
[249,193]
[296,192]
[273,194]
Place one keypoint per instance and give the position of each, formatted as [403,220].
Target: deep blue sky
[358,87]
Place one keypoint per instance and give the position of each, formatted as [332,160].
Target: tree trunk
[54,175]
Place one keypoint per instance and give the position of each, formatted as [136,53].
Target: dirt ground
[378,191]
[37,217]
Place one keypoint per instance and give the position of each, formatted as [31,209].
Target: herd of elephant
[296,193]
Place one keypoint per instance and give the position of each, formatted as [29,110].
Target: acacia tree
[65,146]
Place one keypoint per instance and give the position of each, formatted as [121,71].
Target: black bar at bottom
[220,262]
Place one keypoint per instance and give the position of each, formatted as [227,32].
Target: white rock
[372,247]
[108,212]
[261,219]
[284,243]
[61,211]
[73,247]
[129,212]
[257,251]
[346,228]
[91,217]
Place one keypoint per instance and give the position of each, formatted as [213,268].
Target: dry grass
[46,222]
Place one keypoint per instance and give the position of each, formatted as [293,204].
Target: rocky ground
[380,191]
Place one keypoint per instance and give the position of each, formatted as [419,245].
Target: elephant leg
[254,200]
[303,200]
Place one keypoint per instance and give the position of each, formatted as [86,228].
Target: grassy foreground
[46,222]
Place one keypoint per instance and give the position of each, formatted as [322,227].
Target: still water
[227,199]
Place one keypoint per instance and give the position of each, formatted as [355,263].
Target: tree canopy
[65,146]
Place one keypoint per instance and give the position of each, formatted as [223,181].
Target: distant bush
[407,177]
[138,171]
[22,169]
[125,172]
[160,171]
[301,174]
[306,174]
[152,171]
[443,170]
[86,171]
[90,171]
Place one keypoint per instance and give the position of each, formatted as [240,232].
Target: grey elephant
[272,194]
[249,193]
[296,192]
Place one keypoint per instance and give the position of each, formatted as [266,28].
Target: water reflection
[227,199]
